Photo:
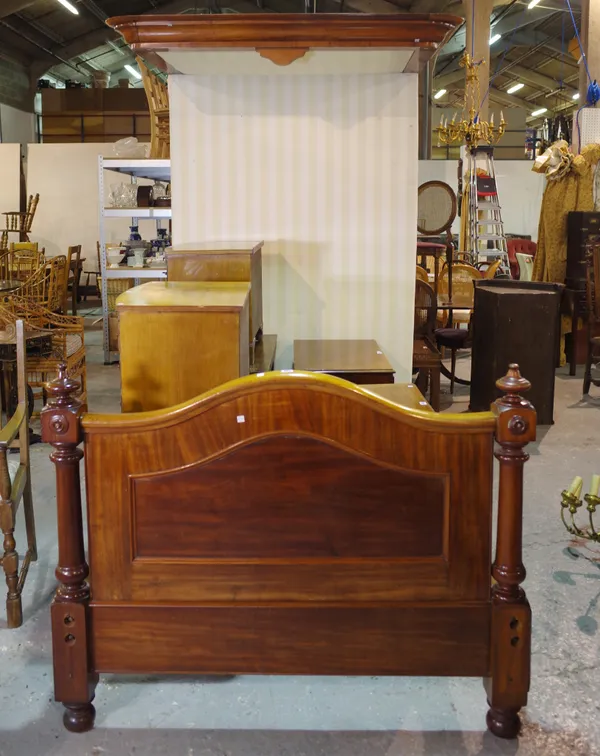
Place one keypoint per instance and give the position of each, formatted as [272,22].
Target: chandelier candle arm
[571,502]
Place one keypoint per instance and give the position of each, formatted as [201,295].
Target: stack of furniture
[180,339]
[223,261]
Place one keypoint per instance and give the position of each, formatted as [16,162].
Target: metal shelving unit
[155,170]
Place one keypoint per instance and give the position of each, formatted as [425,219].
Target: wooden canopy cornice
[284,37]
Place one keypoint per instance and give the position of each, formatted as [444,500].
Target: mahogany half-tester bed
[291,523]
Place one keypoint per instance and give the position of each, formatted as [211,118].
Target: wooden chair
[593,313]
[463,293]
[363,547]
[72,276]
[157,94]
[426,357]
[68,347]
[20,223]
[15,484]
[96,274]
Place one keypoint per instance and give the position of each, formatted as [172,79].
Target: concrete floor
[294,716]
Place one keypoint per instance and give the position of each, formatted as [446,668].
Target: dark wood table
[264,354]
[356,360]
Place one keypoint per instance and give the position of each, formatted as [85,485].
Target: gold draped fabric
[570,187]
[571,191]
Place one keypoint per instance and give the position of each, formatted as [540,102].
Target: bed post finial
[508,684]
[74,682]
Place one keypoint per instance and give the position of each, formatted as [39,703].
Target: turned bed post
[508,683]
[74,680]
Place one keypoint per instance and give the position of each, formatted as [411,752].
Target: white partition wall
[66,178]
[10,179]
[324,169]
[520,191]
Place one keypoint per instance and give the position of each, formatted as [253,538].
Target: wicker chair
[422,274]
[67,337]
[18,264]
[46,286]
[157,94]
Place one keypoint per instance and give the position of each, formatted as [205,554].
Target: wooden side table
[355,360]
[405,394]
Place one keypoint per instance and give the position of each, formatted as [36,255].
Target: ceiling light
[133,71]
[539,111]
[533,3]
[576,96]
[495,38]
[69,6]
[439,93]
[515,88]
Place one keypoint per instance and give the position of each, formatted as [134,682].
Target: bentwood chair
[15,483]
[422,274]
[463,293]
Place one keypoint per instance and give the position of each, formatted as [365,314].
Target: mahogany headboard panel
[289,512]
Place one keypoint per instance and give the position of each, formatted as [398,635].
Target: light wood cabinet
[222,261]
[180,339]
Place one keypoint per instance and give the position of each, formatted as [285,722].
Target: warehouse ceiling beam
[7,7]
[506,26]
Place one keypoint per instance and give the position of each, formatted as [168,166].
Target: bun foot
[79,717]
[504,723]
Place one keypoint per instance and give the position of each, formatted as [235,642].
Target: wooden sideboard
[222,261]
[180,339]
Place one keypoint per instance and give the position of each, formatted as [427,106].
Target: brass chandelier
[470,129]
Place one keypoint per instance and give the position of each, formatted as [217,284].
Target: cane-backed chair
[18,264]
[46,285]
[426,357]
[20,223]
[15,482]
[157,94]
[67,344]
[463,293]
[24,247]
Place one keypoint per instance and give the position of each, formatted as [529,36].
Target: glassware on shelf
[135,234]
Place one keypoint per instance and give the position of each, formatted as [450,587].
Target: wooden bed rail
[505,630]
